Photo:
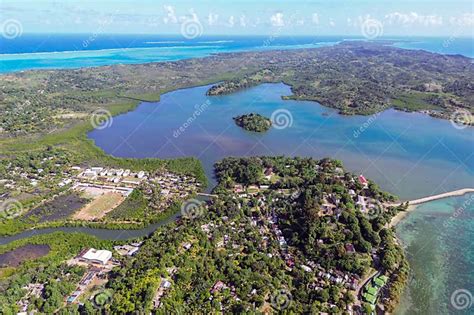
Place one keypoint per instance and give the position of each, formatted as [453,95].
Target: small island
[253,122]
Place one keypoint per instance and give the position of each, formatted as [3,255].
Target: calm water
[438,238]
[408,154]
[47,51]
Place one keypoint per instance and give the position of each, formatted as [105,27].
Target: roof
[371,290]
[100,255]
[379,282]
[370,298]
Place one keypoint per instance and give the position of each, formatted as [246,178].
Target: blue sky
[329,17]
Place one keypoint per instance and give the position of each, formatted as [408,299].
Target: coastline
[412,204]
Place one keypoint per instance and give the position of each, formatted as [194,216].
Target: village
[90,192]
[363,290]
[96,263]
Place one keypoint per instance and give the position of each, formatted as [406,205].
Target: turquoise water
[60,51]
[438,237]
[409,154]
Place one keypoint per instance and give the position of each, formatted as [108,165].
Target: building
[363,181]
[95,256]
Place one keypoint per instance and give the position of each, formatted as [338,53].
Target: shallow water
[438,239]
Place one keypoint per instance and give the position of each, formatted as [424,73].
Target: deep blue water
[47,51]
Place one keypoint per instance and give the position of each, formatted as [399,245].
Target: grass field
[100,206]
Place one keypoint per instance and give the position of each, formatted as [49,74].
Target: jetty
[413,203]
[207,195]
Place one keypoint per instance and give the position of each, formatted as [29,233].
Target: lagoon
[411,155]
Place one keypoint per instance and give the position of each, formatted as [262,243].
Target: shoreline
[413,204]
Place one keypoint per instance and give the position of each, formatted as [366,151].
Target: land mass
[253,122]
[354,77]
[293,235]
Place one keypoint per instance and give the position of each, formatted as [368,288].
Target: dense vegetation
[232,241]
[59,279]
[227,245]
[253,122]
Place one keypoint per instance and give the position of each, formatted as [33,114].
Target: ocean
[56,51]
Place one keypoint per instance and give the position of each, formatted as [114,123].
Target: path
[412,203]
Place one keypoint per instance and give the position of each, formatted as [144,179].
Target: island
[253,122]
[280,234]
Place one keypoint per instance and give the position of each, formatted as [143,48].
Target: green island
[253,122]
[281,234]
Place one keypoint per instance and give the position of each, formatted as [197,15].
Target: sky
[245,17]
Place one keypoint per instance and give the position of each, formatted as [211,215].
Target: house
[89,173]
[166,284]
[219,285]
[238,188]
[362,203]
[95,256]
[268,173]
[140,174]
[350,248]
[363,181]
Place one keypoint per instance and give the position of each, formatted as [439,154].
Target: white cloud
[332,23]
[243,21]
[170,15]
[212,19]
[465,20]
[277,19]
[315,18]
[231,21]
[300,22]
[412,18]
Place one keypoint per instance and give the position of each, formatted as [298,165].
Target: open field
[27,252]
[59,208]
[100,206]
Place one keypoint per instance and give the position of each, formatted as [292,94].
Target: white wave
[216,42]
[167,42]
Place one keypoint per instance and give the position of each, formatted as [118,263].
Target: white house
[97,256]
